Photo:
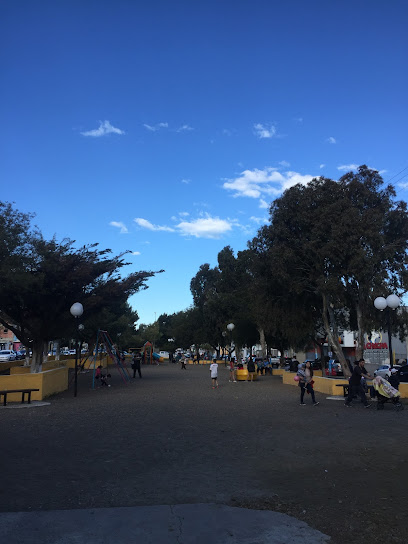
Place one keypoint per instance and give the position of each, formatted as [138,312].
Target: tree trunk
[330,326]
[36,364]
[262,341]
[45,352]
[57,350]
[27,356]
[360,333]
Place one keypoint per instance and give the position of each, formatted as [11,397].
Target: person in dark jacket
[137,359]
[251,370]
[355,387]
[394,379]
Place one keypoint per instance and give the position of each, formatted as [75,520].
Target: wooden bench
[22,391]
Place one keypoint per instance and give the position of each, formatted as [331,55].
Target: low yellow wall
[48,383]
[277,371]
[9,364]
[46,366]
[70,363]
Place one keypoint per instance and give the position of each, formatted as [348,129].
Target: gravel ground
[169,438]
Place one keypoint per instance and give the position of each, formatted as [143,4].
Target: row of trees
[40,279]
[329,249]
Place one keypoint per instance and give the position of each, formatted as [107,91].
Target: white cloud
[331,140]
[263,204]
[354,167]
[285,164]
[264,131]
[119,225]
[185,128]
[258,220]
[184,214]
[186,181]
[104,128]
[322,166]
[205,227]
[156,127]
[145,224]
[347,167]
[256,183]
[136,253]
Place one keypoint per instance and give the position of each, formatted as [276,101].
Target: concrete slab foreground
[178,524]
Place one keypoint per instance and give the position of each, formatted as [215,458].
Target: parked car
[7,355]
[384,371]
[275,362]
[20,355]
[71,352]
[403,373]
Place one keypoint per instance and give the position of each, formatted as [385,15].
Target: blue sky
[167,128]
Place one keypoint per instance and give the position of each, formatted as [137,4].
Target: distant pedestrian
[136,362]
[183,363]
[251,370]
[214,373]
[355,386]
[305,374]
[232,370]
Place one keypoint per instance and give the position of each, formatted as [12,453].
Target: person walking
[214,373]
[183,363]
[355,387]
[251,369]
[232,370]
[305,374]
[136,362]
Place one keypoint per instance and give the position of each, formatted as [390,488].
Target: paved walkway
[180,524]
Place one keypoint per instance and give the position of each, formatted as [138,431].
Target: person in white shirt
[214,373]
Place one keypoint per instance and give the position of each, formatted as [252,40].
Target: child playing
[102,377]
[214,373]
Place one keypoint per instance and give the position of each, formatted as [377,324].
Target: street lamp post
[230,328]
[76,310]
[390,303]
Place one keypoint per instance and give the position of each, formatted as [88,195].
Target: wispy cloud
[185,128]
[322,166]
[156,127]
[202,227]
[331,140]
[258,220]
[184,214]
[347,167]
[119,225]
[298,119]
[104,128]
[354,168]
[186,181]
[136,253]
[264,131]
[263,204]
[285,164]
[257,183]
[145,224]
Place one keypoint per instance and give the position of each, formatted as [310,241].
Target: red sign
[376,345]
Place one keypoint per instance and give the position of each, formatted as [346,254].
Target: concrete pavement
[178,524]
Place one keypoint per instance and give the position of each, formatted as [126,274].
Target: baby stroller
[385,392]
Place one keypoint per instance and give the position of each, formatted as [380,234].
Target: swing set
[103,338]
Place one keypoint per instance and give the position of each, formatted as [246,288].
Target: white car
[7,355]
[384,371]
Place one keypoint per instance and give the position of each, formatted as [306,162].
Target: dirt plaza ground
[169,438]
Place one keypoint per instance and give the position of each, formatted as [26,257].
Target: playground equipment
[148,355]
[103,337]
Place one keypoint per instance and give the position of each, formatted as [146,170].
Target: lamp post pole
[76,310]
[230,328]
[390,303]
